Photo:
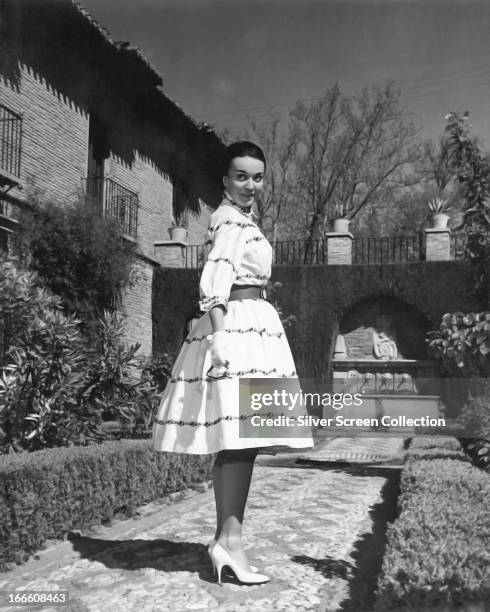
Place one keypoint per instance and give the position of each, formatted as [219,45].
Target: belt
[247,292]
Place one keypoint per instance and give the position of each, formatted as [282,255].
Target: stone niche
[381,348]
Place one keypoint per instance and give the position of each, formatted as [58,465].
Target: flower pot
[179,234]
[439,220]
[341,225]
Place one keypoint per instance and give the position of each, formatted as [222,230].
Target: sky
[229,61]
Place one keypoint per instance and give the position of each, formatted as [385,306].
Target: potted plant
[340,219]
[439,208]
[178,228]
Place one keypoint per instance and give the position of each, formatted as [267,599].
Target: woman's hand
[220,353]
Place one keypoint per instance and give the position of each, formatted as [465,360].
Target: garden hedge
[437,555]
[47,493]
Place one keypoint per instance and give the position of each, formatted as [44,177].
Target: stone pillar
[437,244]
[170,253]
[339,247]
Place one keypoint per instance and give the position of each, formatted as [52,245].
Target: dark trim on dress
[216,227]
[225,259]
[255,238]
[231,375]
[239,331]
[228,417]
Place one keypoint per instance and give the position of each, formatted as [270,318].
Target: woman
[240,335]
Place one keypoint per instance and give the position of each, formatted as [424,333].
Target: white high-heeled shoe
[213,542]
[220,557]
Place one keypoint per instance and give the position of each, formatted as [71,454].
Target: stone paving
[301,528]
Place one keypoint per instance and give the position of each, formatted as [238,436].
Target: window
[10,141]
[122,204]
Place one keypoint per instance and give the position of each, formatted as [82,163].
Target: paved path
[301,528]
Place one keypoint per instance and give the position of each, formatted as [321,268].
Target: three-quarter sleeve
[227,241]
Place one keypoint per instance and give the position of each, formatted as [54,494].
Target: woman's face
[245,180]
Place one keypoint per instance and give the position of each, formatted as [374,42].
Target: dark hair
[242,148]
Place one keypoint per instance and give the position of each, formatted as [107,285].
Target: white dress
[199,414]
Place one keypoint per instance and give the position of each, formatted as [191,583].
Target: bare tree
[352,151]
[279,150]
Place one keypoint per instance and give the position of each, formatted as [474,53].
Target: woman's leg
[232,474]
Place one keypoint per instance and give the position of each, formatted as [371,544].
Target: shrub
[158,370]
[56,387]
[80,255]
[436,555]
[44,495]
[472,170]
[462,343]
[475,422]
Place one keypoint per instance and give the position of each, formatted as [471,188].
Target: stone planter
[439,220]
[341,225]
[179,234]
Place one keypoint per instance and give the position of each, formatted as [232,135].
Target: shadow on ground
[135,554]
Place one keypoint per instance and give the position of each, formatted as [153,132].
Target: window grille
[122,204]
[10,141]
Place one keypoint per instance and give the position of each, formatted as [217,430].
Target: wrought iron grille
[10,141]
[392,249]
[298,252]
[195,255]
[120,203]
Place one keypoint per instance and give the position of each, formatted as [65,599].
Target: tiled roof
[126,47]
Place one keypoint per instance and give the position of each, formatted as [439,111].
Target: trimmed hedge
[47,493]
[437,549]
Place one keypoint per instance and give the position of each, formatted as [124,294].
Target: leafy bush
[472,171]
[45,494]
[80,255]
[436,555]
[462,343]
[56,386]
[158,370]
[475,421]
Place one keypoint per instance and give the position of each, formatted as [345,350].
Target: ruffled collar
[246,212]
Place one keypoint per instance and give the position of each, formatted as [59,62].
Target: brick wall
[54,167]
[136,306]
[54,139]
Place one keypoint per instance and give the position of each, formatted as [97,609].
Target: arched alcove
[388,316]
[381,347]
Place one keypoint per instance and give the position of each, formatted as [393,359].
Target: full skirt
[200,415]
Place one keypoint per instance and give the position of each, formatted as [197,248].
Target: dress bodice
[238,254]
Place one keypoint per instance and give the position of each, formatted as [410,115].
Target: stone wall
[324,297]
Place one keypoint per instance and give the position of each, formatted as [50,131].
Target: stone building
[81,111]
